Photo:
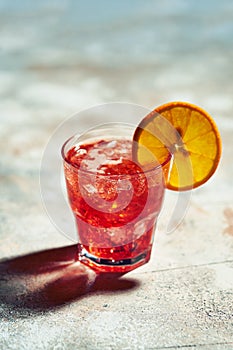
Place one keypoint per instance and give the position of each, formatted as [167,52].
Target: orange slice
[188,133]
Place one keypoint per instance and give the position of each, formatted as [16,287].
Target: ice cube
[139,228]
[113,161]
[92,162]
[111,144]
[90,188]
[124,185]
[109,152]
[106,144]
[80,151]
[123,151]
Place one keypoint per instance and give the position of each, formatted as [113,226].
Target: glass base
[110,265]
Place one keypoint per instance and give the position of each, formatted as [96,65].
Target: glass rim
[91,172]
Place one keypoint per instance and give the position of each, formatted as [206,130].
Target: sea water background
[59,57]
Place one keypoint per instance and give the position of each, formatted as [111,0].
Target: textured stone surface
[57,58]
[180,307]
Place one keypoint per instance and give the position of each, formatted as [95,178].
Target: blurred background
[59,57]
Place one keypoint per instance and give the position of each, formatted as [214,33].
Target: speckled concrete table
[183,298]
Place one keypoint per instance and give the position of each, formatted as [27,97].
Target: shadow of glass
[49,279]
[40,262]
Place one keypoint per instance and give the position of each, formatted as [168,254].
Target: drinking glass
[115,202]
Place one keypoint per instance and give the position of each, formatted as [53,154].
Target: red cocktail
[115,202]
